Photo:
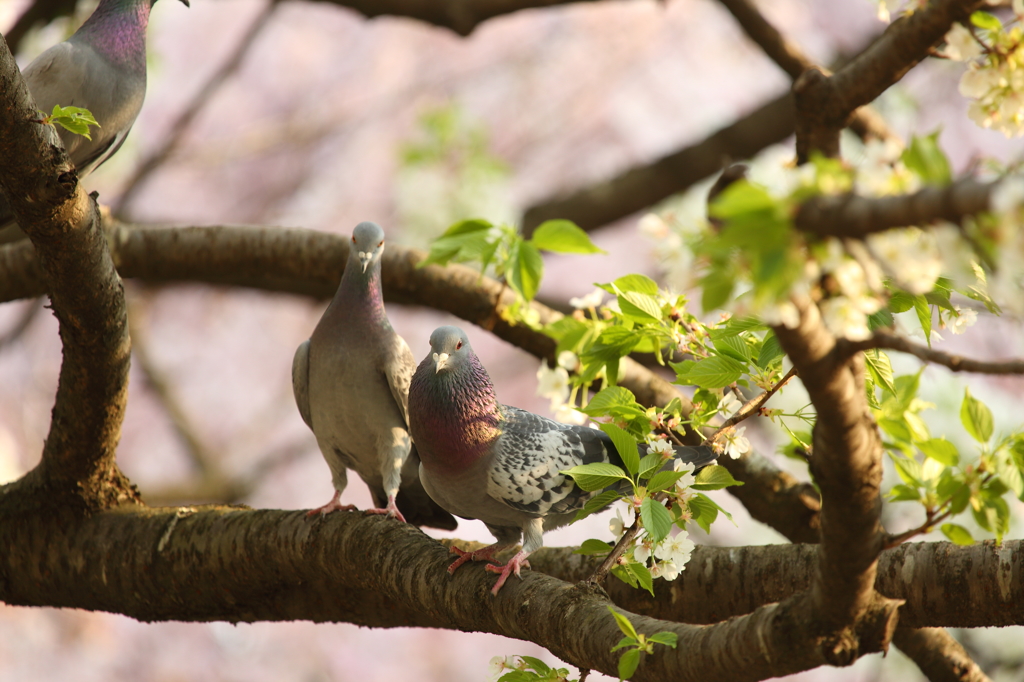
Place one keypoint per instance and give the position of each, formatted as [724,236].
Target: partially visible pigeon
[483,460]
[102,68]
[351,383]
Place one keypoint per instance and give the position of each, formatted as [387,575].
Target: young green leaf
[625,642]
[74,119]
[596,476]
[628,663]
[703,511]
[976,417]
[770,350]
[732,346]
[669,639]
[593,546]
[941,450]
[563,236]
[640,284]
[610,399]
[650,463]
[924,316]
[714,372]
[624,624]
[537,664]
[643,576]
[625,444]
[656,518]
[987,21]
[664,480]
[525,269]
[878,365]
[714,477]
[596,504]
[640,307]
[957,534]
[925,158]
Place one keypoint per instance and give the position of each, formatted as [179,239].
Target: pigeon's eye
[458,346]
[353,239]
[381,244]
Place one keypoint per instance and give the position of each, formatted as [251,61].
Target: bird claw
[332,506]
[514,564]
[391,510]
[485,554]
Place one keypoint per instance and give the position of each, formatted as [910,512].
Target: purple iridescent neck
[360,294]
[117,31]
[453,416]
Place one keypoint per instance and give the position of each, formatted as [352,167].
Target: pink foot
[513,565]
[485,554]
[391,510]
[332,506]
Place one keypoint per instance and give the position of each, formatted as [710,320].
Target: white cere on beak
[440,361]
[364,258]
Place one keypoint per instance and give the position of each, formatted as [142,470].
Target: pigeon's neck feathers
[463,418]
[117,31]
[359,296]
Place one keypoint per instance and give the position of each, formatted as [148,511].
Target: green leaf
[597,503]
[941,450]
[878,365]
[610,399]
[663,480]
[628,663]
[924,316]
[925,158]
[74,119]
[987,21]
[537,664]
[976,417]
[1009,473]
[714,477]
[703,511]
[651,463]
[640,284]
[624,642]
[770,350]
[716,290]
[643,576]
[732,346]
[465,240]
[525,269]
[741,199]
[881,319]
[640,307]
[904,493]
[957,534]
[714,372]
[666,638]
[596,476]
[657,520]
[625,444]
[563,236]
[624,624]
[909,471]
[593,546]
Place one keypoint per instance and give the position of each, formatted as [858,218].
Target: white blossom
[618,525]
[848,317]
[567,414]
[1008,196]
[664,569]
[729,405]
[642,552]
[735,443]
[965,318]
[910,255]
[660,445]
[553,383]
[568,360]
[591,300]
[652,225]
[687,479]
[961,45]
[782,313]
[499,664]
[676,549]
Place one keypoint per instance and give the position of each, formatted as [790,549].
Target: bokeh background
[330,119]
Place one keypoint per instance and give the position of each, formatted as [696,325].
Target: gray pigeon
[102,68]
[351,383]
[483,460]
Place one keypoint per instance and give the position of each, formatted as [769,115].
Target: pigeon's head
[367,244]
[449,349]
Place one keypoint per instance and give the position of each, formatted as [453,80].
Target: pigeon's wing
[398,367]
[529,456]
[59,76]
[300,381]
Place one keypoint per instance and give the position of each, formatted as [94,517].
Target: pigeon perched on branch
[102,68]
[483,460]
[351,383]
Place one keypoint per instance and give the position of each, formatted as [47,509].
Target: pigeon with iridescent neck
[102,68]
[351,383]
[483,460]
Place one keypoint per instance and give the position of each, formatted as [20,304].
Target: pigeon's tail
[701,456]
[413,501]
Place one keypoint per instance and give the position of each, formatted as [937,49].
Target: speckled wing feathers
[531,452]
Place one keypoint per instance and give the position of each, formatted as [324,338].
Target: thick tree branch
[850,215]
[940,657]
[825,103]
[460,16]
[241,565]
[847,466]
[644,186]
[888,341]
[87,299]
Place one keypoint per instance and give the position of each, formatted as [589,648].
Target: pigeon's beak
[440,361]
[364,258]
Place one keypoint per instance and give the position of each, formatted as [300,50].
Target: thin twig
[751,407]
[956,363]
[931,520]
[627,538]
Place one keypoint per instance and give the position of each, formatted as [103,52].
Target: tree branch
[644,186]
[850,215]
[87,299]
[940,657]
[825,103]
[956,363]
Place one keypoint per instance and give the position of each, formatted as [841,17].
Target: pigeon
[483,460]
[351,384]
[102,68]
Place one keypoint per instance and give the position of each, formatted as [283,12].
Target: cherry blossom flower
[687,480]
[965,318]
[961,45]
[618,525]
[676,549]
[729,405]
[591,300]
[735,443]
